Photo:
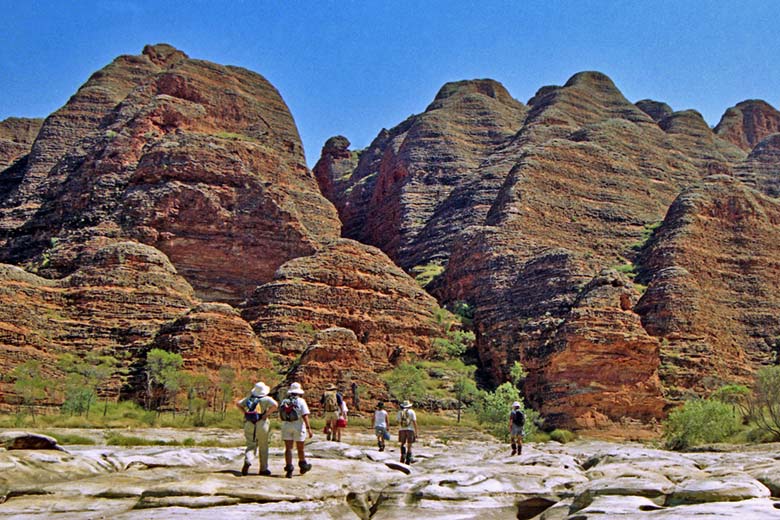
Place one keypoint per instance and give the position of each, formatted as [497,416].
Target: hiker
[331,405]
[355,396]
[407,431]
[516,426]
[294,413]
[381,425]
[341,421]
[257,407]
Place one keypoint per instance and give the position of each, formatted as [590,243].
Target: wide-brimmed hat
[331,386]
[260,390]
[406,404]
[295,388]
[516,405]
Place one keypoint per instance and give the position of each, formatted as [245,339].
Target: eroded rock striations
[16,138]
[527,216]
[748,123]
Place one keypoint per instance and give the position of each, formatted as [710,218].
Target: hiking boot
[265,473]
[288,470]
[514,449]
[520,449]
[327,435]
[304,466]
[245,468]
[409,459]
[403,454]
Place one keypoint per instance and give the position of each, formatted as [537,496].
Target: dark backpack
[288,410]
[252,415]
[518,418]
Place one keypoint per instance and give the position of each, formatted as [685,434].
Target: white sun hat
[295,388]
[260,390]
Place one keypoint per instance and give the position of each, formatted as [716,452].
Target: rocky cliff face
[748,123]
[573,184]
[16,138]
[201,161]
[713,285]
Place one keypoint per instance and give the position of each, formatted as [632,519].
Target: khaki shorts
[406,436]
[330,416]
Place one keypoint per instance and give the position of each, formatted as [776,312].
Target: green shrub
[492,411]
[425,274]
[766,394]
[69,438]
[562,436]
[699,421]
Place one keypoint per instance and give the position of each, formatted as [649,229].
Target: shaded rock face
[748,123]
[335,356]
[570,185]
[761,169]
[16,138]
[403,195]
[201,161]
[351,286]
[713,287]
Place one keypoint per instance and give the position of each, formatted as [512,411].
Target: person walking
[407,431]
[331,405]
[257,407]
[516,426]
[381,425]
[294,413]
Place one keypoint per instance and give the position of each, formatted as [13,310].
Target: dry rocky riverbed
[452,479]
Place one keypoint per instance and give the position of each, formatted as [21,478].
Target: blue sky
[354,67]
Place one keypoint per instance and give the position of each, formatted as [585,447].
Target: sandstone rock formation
[714,282]
[16,137]
[201,161]
[114,303]
[381,315]
[748,123]
[532,212]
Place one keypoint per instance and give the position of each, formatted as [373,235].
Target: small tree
[163,373]
[227,376]
[699,421]
[739,397]
[517,374]
[29,384]
[466,391]
[492,409]
[767,398]
[406,381]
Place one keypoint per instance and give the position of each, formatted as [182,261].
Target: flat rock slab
[28,441]
[729,488]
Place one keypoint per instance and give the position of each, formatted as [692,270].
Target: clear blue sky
[354,67]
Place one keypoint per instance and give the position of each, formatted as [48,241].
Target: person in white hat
[516,427]
[257,407]
[407,431]
[294,413]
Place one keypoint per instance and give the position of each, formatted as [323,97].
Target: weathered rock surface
[555,192]
[16,138]
[462,479]
[199,160]
[382,316]
[116,301]
[748,123]
[714,281]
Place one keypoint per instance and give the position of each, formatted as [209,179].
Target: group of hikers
[294,413]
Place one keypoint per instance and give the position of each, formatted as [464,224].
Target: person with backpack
[257,407]
[294,413]
[331,402]
[381,425]
[516,427]
[407,431]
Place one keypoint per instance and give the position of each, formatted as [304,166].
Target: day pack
[252,415]
[331,402]
[288,410]
[406,419]
[518,418]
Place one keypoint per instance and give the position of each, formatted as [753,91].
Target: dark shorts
[406,436]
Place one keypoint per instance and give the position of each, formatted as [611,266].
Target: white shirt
[380,419]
